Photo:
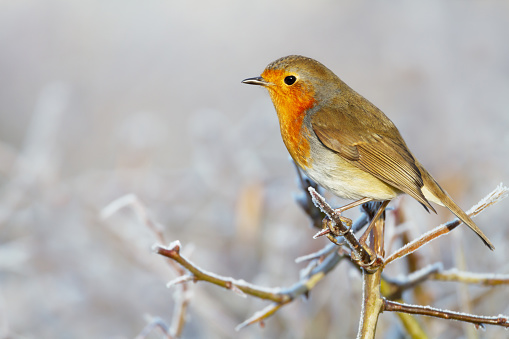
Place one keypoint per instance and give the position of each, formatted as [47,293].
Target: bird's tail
[433,192]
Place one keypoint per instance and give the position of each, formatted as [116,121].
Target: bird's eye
[290,80]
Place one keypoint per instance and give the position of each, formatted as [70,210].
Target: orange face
[292,101]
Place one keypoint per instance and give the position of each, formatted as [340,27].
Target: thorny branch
[396,286]
[394,306]
[322,262]
[279,296]
[357,225]
[182,296]
[339,229]
[373,303]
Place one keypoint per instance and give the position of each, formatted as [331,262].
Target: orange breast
[292,103]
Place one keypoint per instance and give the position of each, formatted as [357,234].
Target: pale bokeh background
[103,98]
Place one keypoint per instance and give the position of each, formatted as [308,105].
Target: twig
[498,194]
[153,323]
[329,248]
[398,285]
[393,288]
[279,296]
[181,297]
[412,327]
[409,322]
[132,200]
[371,279]
[327,259]
[261,315]
[173,252]
[357,225]
[393,306]
[141,211]
[486,279]
[357,248]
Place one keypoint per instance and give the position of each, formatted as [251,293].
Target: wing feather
[377,149]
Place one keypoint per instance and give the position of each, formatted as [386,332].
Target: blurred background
[99,99]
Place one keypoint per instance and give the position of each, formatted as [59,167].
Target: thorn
[238,291]
[323,232]
[480,326]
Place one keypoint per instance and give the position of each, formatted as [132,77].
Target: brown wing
[372,143]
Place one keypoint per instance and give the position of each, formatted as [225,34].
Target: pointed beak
[256,81]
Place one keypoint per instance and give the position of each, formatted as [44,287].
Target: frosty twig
[479,320]
[280,296]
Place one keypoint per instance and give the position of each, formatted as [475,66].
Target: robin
[344,142]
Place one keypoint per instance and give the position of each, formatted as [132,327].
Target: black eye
[290,80]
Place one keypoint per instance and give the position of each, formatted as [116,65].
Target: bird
[345,143]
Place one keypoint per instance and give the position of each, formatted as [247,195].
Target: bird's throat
[291,111]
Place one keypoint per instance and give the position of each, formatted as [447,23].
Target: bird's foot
[331,230]
[375,263]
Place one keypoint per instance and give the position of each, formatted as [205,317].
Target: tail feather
[440,196]
[451,205]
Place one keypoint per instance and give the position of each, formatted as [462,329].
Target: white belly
[345,180]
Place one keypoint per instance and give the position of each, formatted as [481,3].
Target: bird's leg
[327,227]
[362,240]
[352,205]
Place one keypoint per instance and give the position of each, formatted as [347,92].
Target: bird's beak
[256,81]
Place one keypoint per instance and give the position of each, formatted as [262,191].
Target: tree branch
[396,287]
[279,296]
[486,279]
[371,280]
[372,304]
[339,229]
[478,320]
[182,296]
